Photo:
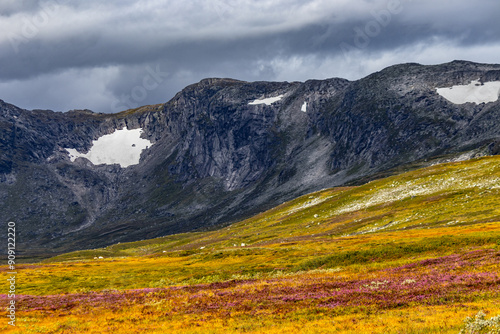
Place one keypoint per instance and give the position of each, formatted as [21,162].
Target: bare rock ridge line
[222,150]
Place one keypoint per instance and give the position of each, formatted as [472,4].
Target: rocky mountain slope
[220,151]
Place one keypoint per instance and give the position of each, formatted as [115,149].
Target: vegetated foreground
[412,253]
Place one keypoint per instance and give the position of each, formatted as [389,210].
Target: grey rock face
[216,159]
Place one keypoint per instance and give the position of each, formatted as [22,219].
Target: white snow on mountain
[474,92]
[304,107]
[268,101]
[123,147]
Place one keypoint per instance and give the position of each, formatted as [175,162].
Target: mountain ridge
[215,158]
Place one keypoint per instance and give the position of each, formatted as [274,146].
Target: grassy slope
[353,234]
[441,196]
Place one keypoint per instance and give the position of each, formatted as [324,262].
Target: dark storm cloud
[65,54]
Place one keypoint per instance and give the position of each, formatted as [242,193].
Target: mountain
[222,150]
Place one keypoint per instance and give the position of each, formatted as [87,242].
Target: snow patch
[304,107]
[473,92]
[123,147]
[268,101]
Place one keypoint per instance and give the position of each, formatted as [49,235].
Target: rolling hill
[415,252]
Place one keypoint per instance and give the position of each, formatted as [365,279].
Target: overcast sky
[113,55]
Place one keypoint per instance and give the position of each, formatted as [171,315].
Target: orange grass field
[416,252]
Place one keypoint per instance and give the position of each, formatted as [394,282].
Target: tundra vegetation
[417,252]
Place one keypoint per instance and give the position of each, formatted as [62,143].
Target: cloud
[64,90]
[66,54]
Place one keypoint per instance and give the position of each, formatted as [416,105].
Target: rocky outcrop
[216,158]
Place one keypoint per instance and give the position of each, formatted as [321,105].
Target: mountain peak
[223,149]
[215,81]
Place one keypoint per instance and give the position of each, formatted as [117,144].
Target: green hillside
[416,252]
[446,195]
